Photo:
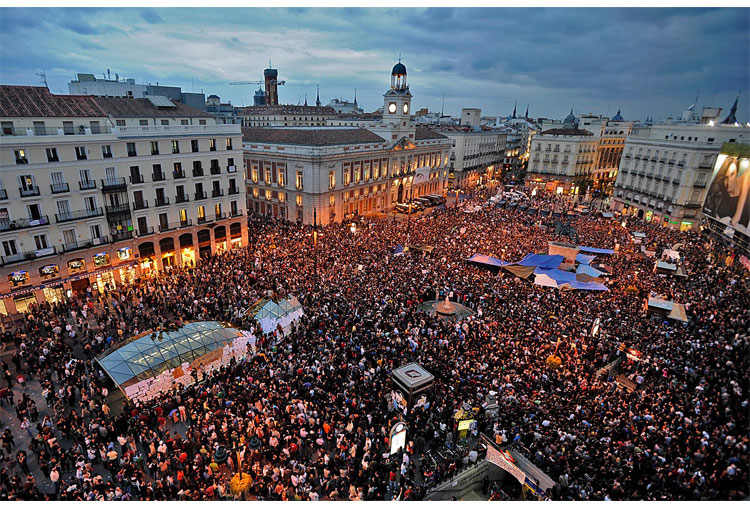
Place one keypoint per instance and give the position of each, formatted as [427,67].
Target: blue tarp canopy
[541,261]
[595,250]
[486,260]
[588,286]
[558,278]
[557,275]
[585,259]
[588,270]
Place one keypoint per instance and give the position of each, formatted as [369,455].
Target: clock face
[392,107]
[406,108]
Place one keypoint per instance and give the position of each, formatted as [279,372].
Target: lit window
[299,200]
[300,181]
[331,180]
[268,195]
[332,200]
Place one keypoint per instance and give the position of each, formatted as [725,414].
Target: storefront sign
[125,253]
[75,265]
[49,271]
[64,280]
[18,278]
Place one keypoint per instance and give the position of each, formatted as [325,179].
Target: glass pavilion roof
[148,355]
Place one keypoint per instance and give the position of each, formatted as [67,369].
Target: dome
[618,117]
[570,118]
[399,68]
[213,96]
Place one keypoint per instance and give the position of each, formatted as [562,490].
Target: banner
[499,458]
[727,199]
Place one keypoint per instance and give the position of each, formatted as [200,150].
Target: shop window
[49,271]
[125,253]
[19,278]
[101,259]
[76,265]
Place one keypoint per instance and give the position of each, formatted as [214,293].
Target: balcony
[233,191]
[23,223]
[177,129]
[28,192]
[182,198]
[113,184]
[232,168]
[681,163]
[204,220]
[136,179]
[186,223]
[197,173]
[705,165]
[166,227]
[215,169]
[161,202]
[157,177]
[147,231]
[699,184]
[78,215]
[87,185]
[200,196]
[59,188]
[117,209]
[237,213]
[122,236]
[671,161]
[3,194]
[217,193]
[27,256]
[178,175]
[221,216]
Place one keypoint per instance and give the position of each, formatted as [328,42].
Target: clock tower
[397,101]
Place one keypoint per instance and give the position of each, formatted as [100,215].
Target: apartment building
[477,153]
[666,168]
[285,116]
[608,155]
[95,191]
[562,159]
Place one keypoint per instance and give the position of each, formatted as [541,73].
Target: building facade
[562,159]
[334,173]
[666,168]
[96,191]
[286,116]
[608,155]
[477,153]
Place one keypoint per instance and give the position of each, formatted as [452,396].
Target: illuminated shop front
[55,293]
[127,274]
[147,257]
[76,266]
[187,252]
[166,245]
[101,260]
[204,243]
[220,235]
[19,279]
[235,233]
[49,272]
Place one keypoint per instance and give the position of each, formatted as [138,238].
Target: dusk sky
[648,62]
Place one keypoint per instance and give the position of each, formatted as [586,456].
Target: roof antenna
[442,107]
[43,76]
[399,57]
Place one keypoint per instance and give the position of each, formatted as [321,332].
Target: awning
[585,259]
[678,313]
[588,270]
[542,261]
[520,271]
[486,260]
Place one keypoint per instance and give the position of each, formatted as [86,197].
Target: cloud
[649,61]
[150,16]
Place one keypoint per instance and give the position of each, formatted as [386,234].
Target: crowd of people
[308,415]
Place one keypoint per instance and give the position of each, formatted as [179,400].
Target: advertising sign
[727,199]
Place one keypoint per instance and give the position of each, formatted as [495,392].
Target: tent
[588,270]
[486,260]
[541,261]
[270,314]
[585,259]
[564,280]
[589,249]
[665,267]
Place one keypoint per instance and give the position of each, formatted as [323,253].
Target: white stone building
[666,168]
[337,172]
[97,190]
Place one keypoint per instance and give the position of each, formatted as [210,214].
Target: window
[131,150]
[299,200]
[300,181]
[165,122]
[155,148]
[331,179]
[120,123]
[254,172]
[39,128]
[282,197]
[21,157]
[183,217]
[201,212]
[68,128]
[229,143]
[201,122]
[143,123]
[58,182]
[268,176]
[63,209]
[281,176]
[9,247]
[142,226]
[90,203]
[40,240]
[175,146]
[193,145]
[52,155]
[7,127]
[217,209]
[106,151]
[69,237]
[184,122]
[332,200]
[212,145]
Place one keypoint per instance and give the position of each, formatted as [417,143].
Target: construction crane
[255,82]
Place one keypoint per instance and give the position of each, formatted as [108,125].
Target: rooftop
[424,133]
[121,107]
[37,101]
[567,132]
[324,136]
